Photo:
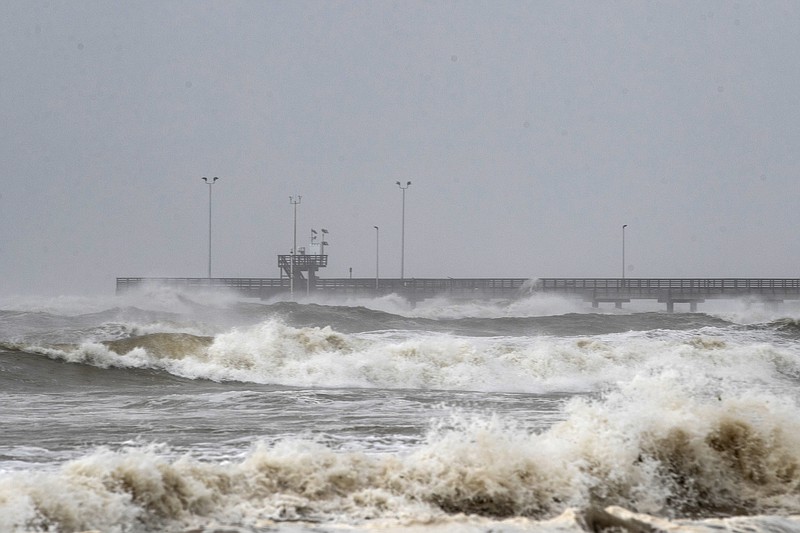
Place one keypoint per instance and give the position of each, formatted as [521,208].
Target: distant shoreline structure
[669,291]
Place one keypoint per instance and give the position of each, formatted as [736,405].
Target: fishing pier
[299,276]
[413,289]
[669,291]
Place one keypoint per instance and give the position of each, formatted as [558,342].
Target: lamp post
[377,254]
[403,229]
[322,244]
[312,261]
[623,250]
[210,182]
[294,203]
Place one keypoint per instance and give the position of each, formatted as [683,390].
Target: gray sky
[531,132]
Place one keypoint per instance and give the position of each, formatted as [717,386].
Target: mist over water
[169,411]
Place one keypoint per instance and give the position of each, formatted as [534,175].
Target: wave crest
[162,345]
[642,448]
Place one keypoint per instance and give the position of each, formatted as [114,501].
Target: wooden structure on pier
[297,264]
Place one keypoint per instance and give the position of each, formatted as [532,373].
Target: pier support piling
[672,301]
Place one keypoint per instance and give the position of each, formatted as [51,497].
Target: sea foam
[272,352]
[655,446]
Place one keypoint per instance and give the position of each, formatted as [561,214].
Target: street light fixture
[294,203]
[377,254]
[210,182]
[403,229]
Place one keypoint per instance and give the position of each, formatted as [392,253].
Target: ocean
[163,411]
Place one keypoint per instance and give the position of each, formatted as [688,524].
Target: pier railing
[671,290]
[649,287]
[595,290]
[414,288]
[254,287]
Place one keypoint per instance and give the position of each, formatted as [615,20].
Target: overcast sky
[531,132]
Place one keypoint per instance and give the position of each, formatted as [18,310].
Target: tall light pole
[294,203]
[403,230]
[623,250]
[311,261]
[210,182]
[377,254]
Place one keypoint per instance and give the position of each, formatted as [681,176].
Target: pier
[413,289]
[299,275]
[669,291]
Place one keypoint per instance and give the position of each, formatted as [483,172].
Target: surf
[657,451]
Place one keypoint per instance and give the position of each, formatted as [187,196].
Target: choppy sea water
[161,411]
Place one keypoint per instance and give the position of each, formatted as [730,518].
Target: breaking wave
[658,449]
[272,352]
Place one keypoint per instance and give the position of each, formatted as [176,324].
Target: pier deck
[671,290]
[412,288]
[595,290]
